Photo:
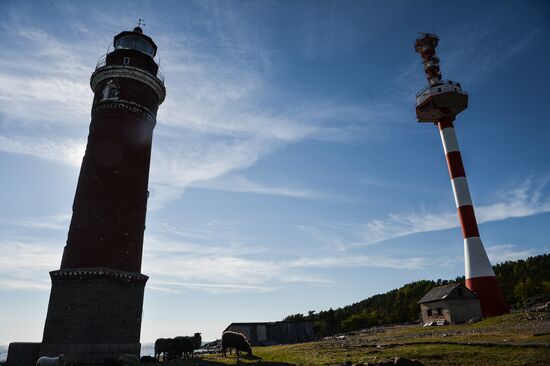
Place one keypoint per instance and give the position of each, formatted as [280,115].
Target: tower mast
[439,102]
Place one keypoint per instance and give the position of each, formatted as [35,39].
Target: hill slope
[512,339]
[520,281]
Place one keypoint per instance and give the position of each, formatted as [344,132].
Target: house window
[440,311]
[429,312]
[126,60]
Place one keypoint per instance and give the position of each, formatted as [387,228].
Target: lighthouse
[440,102]
[96,299]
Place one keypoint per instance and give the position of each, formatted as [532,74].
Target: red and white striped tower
[440,102]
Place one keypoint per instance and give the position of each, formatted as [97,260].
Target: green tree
[519,281]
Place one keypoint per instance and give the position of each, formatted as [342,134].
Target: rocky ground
[521,338]
[523,328]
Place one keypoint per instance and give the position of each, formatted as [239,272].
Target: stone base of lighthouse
[93,314]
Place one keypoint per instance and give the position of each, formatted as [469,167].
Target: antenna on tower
[138,28]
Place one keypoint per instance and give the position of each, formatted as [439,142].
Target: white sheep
[51,361]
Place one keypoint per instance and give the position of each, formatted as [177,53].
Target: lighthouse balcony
[445,99]
[106,71]
[105,61]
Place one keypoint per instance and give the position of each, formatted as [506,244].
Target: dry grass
[513,339]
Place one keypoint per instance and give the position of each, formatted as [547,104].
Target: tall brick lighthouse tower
[96,300]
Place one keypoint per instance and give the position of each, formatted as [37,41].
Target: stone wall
[95,353]
[26,354]
[464,310]
[94,306]
[453,311]
[22,353]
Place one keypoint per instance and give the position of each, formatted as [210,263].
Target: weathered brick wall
[94,306]
[110,203]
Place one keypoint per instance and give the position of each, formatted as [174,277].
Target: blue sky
[288,170]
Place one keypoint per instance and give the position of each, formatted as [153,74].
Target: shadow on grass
[243,360]
[238,362]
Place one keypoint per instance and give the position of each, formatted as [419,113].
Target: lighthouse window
[126,60]
[110,91]
[144,46]
[136,43]
[113,93]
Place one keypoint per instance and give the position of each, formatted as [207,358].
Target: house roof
[440,292]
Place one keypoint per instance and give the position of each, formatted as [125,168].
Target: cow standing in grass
[235,340]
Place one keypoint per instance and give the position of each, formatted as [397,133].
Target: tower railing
[160,75]
[442,82]
[102,62]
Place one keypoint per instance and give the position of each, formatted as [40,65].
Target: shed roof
[442,292]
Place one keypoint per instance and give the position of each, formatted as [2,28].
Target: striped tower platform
[480,277]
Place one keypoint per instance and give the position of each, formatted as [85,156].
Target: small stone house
[271,333]
[452,303]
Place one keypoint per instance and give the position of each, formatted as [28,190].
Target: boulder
[128,360]
[402,361]
[148,359]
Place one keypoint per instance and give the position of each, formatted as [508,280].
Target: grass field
[513,339]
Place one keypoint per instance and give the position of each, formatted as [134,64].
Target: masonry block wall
[94,306]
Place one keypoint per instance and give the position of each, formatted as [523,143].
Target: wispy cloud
[52,222]
[321,33]
[361,261]
[472,62]
[219,117]
[45,80]
[66,151]
[25,262]
[173,287]
[524,199]
[238,183]
[508,252]
[175,264]
[224,272]
[176,166]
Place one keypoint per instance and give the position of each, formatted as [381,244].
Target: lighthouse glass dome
[136,43]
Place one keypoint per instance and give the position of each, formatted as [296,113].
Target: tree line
[521,281]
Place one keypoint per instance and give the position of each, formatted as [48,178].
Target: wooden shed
[452,303]
[271,333]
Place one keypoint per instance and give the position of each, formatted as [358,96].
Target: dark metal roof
[441,292]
